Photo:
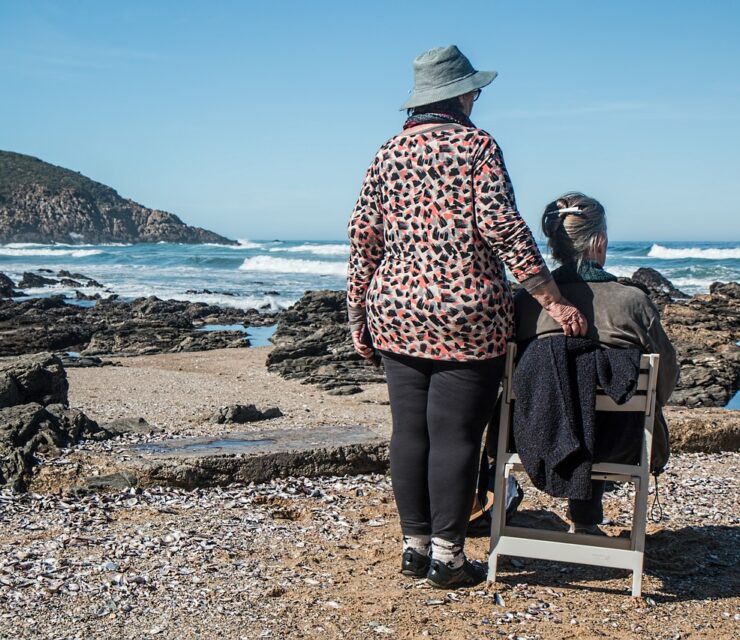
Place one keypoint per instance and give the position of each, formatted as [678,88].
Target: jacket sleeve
[366,246]
[499,222]
[658,342]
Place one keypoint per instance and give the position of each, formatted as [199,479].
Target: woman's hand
[571,320]
[360,346]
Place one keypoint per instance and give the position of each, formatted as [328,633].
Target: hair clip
[569,210]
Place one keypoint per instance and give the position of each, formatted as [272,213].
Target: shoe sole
[466,585]
[412,574]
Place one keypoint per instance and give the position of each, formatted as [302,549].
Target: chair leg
[637,582]
[492,566]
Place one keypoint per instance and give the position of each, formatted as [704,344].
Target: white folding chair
[605,551]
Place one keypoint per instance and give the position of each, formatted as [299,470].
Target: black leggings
[440,409]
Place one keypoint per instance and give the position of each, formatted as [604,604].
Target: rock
[28,429]
[240,413]
[38,378]
[90,282]
[728,290]
[84,296]
[659,288]
[7,287]
[704,330]
[111,482]
[209,292]
[68,282]
[32,280]
[703,430]
[257,456]
[40,202]
[124,426]
[313,344]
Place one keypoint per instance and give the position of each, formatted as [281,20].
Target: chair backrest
[643,400]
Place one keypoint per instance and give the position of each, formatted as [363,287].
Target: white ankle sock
[448,552]
[420,544]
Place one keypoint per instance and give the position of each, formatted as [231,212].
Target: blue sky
[259,119]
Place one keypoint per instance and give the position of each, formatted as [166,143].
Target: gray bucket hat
[442,73]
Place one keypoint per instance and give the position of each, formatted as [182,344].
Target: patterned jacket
[435,223]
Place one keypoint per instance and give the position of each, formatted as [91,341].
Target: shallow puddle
[202,447]
[258,336]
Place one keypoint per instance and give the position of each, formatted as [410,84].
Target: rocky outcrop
[703,430]
[312,343]
[705,330]
[243,413]
[40,202]
[34,416]
[30,429]
[125,427]
[142,326]
[38,378]
[33,280]
[260,455]
[7,287]
[657,286]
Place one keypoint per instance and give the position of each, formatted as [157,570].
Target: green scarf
[587,271]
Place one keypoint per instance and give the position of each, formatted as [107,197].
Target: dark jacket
[554,413]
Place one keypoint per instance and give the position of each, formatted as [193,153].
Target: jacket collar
[587,271]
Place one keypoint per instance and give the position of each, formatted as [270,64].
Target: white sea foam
[7,250]
[248,244]
[693,284]
[243,244]
[670,253]
[144,290]
[620,271]
[317,249]
[269,264]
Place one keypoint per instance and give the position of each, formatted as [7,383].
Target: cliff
[40,202]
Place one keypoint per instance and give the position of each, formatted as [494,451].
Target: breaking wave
[269,264]
[74,253]
[317,249]
[669,253]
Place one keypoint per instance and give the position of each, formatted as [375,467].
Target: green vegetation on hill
[19,170]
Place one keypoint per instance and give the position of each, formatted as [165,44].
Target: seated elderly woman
[619,315]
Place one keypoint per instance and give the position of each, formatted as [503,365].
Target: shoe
[467,575]
[587,529]
[414,564]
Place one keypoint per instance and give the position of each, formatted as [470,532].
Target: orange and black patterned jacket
[435,223]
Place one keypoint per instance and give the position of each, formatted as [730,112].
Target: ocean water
[274,274]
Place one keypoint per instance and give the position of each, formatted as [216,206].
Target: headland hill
[43,203]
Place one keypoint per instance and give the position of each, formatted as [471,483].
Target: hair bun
[551,221]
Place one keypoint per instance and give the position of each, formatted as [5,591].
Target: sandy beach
[318,557]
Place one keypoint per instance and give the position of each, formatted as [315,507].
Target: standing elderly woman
[435,223]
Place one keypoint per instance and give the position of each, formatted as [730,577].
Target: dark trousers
[439,409]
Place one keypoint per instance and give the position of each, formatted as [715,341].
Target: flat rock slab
[254,456]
